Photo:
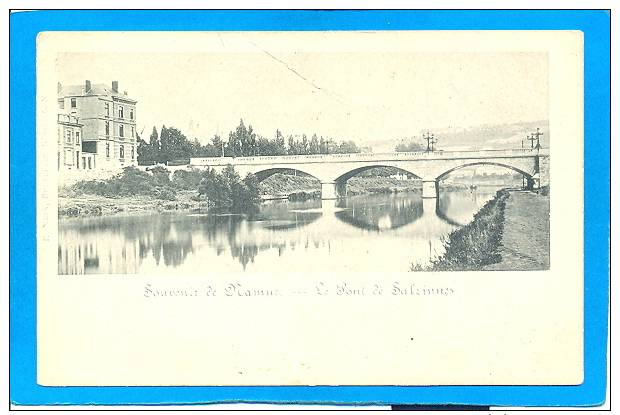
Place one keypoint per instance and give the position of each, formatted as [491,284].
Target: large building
[98,127]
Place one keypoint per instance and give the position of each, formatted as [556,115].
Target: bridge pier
[328,190]
[430,188]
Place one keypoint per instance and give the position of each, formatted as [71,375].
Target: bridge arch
[430,186]
[268,172]
[354,172]
[340,181]
[487,163]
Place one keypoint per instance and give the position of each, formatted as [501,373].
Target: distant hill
[485,137]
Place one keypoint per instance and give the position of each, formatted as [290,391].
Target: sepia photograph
[256,157]
[309,208]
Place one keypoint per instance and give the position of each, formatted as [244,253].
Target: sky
[368,96]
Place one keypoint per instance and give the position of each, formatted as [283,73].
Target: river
[360,233]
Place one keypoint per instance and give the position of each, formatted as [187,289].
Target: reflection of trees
[119,244]
[377,214]
[114,237]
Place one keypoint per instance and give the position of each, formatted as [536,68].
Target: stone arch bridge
[333,170]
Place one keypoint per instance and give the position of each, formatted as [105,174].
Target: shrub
[187,179]
[226,192]
[130,182]
[164,193]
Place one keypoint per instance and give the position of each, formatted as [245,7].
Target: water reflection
[361,233]
[380,213]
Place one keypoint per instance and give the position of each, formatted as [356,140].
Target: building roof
[95,89]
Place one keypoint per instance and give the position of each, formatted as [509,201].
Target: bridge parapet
[364,157]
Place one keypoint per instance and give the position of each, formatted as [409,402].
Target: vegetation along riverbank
[135,191]
[510,232]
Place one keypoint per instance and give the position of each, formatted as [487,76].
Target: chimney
[114,86]
[87,87]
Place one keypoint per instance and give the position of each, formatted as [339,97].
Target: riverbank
[509,233]
[81,205]
[75,202]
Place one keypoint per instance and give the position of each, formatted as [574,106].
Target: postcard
[310,208]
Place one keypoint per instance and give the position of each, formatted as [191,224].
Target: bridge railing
[412,155]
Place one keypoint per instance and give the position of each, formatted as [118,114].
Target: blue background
[23,31]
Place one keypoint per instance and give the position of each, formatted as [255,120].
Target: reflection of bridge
[333,170]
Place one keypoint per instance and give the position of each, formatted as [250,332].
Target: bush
[226,192]
[130,182]
[164,193]
[187,179]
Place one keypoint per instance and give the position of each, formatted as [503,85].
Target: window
[77,137]
[131,114]
[107,128]
[68,137]
[121,130]
[120,111]
[61,103]
[132,132]
[107,109]
[77,159]
[68,156]
[122,152]
[132,153]
[73,103]
[89,166]
[59,135]
[107,149]
[83,162]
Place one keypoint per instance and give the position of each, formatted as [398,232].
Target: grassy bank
[509,233]
[477,244]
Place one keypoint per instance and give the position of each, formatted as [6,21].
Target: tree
[303,147]
[216,148]
[164,146]
[314,145]
[280,144]
[227,192]
[322,146]
[407,145]
[216,191]
[146,155]
[148,152]
[347,147]
[291,145]
[155,143]
[239,141]
[250,198]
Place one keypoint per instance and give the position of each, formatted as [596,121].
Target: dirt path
[525,239]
